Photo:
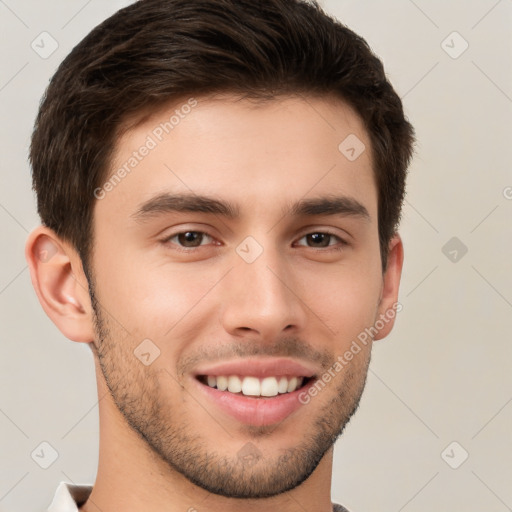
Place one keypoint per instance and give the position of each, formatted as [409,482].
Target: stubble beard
[136,393]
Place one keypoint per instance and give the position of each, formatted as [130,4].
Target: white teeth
[234,384]
[292,384]
[253,386]
[282,387]
[269,386]
[222,383]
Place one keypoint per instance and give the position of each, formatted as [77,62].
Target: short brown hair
[155,50]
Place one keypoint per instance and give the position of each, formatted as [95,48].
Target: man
[220,184]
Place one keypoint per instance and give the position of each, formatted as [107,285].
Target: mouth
[255,392]
[253,386]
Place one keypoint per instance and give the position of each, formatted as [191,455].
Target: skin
[299,299]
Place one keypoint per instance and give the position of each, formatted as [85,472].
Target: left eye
[189,239]
[321,239]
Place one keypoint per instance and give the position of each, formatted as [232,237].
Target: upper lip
[257,367]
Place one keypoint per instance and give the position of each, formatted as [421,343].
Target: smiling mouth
[255,387]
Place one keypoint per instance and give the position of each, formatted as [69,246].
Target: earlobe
[389,306]
[60,284]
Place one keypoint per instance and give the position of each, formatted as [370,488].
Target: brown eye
[321,240]
[188,239]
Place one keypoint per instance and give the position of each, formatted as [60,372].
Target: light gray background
[443,375]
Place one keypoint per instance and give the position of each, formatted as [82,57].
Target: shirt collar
[68,497]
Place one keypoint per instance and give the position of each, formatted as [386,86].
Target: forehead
[261,154]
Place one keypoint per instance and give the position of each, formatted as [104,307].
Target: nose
[263,298]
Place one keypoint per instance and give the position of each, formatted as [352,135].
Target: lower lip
[255,411]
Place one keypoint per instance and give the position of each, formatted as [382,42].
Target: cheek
[346,301]
[155,301]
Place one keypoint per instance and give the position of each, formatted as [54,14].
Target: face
[235,260]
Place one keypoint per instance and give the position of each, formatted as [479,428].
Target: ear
[60,283]
[389,305]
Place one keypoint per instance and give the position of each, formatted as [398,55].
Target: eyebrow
[193,203]
[330,205]
[188,202]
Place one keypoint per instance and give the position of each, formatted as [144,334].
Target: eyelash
[338,247]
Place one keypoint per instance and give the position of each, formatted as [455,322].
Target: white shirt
[68,497]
